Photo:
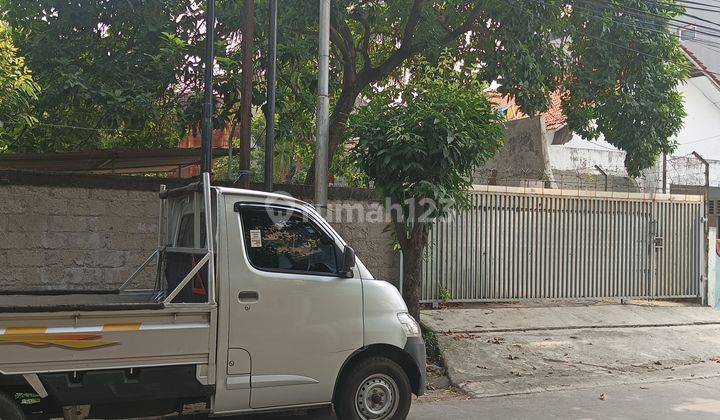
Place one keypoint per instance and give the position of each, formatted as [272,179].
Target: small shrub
[432,348]
[444,295]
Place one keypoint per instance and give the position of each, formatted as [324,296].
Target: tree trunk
[246,94]
[413,249]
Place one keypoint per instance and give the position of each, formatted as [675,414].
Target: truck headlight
[411,327]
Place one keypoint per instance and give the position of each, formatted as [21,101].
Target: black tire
[377,376]
[10,409]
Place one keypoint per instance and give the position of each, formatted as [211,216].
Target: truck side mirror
[348,262]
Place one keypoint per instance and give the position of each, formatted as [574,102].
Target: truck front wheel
[10,409]
[376,388]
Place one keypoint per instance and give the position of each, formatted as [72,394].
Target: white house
[700,133]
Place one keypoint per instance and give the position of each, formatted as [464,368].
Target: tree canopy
[108,72]
[131,69]
[18,90]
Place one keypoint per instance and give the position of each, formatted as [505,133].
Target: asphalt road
[682,399]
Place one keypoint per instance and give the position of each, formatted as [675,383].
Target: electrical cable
[689,68]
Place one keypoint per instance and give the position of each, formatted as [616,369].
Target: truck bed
[101,331]
[60,301]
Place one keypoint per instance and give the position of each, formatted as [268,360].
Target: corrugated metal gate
[522,243]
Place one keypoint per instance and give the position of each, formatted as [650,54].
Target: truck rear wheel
[374,389]
[10,409]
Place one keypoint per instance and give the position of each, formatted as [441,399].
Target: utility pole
[270,124]
[207,126]
[704,248]
[323,107]
[246,93]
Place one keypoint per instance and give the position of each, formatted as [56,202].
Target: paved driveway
[506,350]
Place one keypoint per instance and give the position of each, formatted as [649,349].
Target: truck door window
[283,240]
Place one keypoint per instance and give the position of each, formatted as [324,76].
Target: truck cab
[258,305]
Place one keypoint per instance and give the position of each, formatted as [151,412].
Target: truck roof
[262,195]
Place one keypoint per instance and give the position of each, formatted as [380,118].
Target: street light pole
[323,124]
[270,125]
[207,126]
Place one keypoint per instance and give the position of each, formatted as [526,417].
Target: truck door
[291,310]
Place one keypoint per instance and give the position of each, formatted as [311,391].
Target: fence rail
[525,243]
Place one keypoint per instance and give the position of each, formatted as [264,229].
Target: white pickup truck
[274,312]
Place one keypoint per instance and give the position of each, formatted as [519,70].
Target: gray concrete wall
[71,232]
[523,160]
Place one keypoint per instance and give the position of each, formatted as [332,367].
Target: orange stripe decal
[122,327]
[25,330]
[68,341]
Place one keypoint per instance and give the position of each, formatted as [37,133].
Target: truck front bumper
[415,347]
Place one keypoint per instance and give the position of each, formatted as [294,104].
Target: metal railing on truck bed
[178,264]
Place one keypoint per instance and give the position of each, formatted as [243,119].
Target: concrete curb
[576,327]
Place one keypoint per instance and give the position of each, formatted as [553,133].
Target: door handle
[248,296]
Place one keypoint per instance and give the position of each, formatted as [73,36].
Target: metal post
[210,238]
[270,125]
[230,158]
[321,148]
[206,160]
[246,93]
[604,174]
[707,218]
[664,187]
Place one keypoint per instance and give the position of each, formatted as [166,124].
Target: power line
[689,5]
[593,13]
[673,19]
[699,3]
[78,127]
[577,31]
[707,43]
[717,136]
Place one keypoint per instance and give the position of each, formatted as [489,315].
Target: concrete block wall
[367,236]
[91,232]
[68,238]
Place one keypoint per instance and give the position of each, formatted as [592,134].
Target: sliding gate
[517,243]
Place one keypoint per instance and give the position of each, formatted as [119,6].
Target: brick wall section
[95,233]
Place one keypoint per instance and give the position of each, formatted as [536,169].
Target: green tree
[109,71]
[419,143]
[18,91]
[617,62]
